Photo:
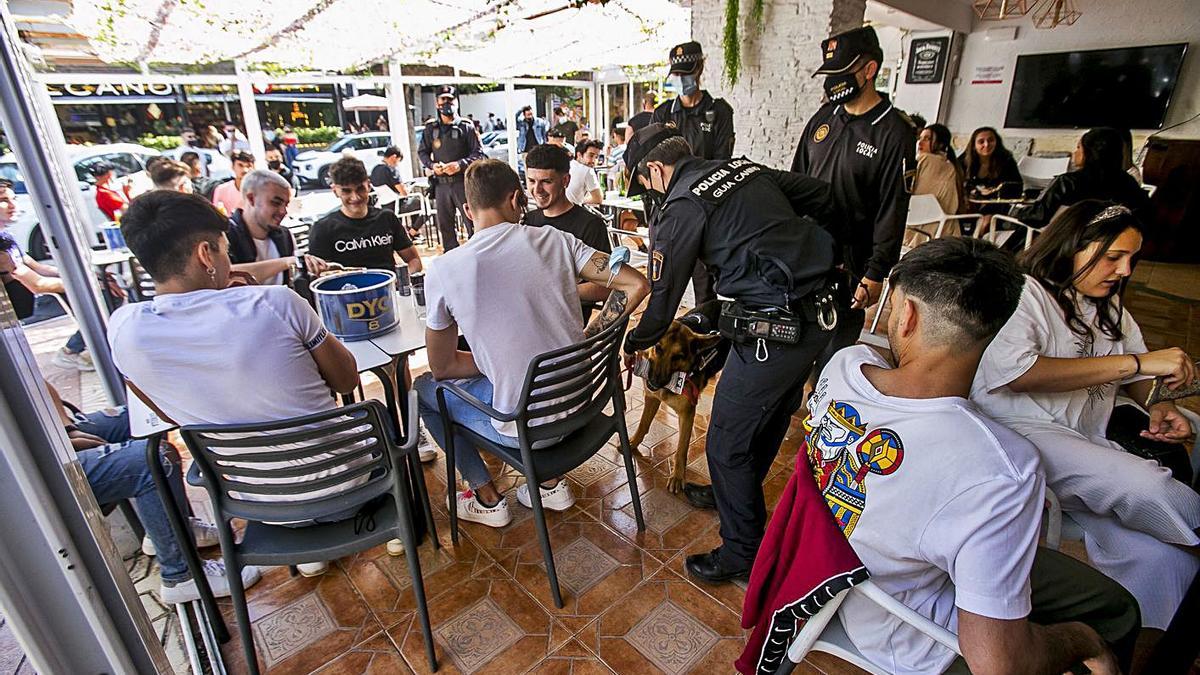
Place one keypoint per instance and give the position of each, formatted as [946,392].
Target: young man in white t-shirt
[513,291]
[942,504]
[585,186]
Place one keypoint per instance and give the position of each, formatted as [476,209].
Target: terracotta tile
[374,656]
[385,583]
[671,523]
[303,624]
[517,632]
[572,659]
[666,626]
[501,544]
[595,566]
[731,595]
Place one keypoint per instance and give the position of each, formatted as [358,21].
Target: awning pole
[510,122]
[245,90]
[397,109]
[37,140]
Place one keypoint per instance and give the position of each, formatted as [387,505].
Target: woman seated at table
[1053,373]
[204,352]
[938,173]
[989,173]
[1100,173]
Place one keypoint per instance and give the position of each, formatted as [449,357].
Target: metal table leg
[183,534]
[395,392]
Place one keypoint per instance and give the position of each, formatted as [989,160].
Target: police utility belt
[760,325]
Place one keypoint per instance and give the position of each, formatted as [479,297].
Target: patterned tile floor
[629,605]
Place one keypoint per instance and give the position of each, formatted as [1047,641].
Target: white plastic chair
[924,210]
[616,238]
[998,236]
[1037,172]
[824,632]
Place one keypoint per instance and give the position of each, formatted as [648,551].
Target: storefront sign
[106,89]
[927,60]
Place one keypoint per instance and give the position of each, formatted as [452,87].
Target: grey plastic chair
[581,379]
[356,442]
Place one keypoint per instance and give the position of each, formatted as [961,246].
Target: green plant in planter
[731,41]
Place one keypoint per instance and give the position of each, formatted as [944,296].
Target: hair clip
[1109,212]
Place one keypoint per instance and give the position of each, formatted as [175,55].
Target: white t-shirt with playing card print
[1039,328]
[941,504]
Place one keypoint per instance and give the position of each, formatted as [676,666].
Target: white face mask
[684,84]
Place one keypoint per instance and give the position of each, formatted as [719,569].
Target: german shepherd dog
[690,345]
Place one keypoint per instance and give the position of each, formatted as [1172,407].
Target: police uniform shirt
[454,142]
[866,159]
[746,222]
[359,242]
[707,126]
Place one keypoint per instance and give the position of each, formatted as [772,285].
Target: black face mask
[652,202]
[274,165]
[842,88]
[447,109]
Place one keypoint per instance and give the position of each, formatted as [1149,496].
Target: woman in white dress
[1053,373]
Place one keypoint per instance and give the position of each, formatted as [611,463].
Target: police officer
[706,123]
[759,230]
[865,149]
[448,146]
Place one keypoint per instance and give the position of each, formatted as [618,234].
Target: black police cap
[686,58]
[447,90]
[840,53]
[640,145]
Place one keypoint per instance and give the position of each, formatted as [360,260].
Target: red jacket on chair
[803,562]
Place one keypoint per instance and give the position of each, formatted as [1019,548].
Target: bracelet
[1138,363]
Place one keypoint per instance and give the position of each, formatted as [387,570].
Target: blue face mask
[686,84]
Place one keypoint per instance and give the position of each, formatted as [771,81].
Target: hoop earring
[212,274]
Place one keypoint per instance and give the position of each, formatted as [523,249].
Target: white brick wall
[775,94]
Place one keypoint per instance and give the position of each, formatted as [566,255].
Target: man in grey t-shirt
[508,319]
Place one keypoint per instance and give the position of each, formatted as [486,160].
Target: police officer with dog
[762,233]
[448,146]
[865,149]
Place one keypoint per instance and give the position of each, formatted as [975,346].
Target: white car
[495,145]
[129,166]
[312,166]
[216,165]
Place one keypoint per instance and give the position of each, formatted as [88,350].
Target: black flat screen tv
[1127,88]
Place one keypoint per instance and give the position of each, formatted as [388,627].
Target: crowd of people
[935,456]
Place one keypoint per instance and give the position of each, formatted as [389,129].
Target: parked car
[129,165]
[216,165]
[312,166]
[495,145]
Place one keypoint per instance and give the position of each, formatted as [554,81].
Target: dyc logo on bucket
[368,310]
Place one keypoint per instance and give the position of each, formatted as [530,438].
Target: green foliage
[317,134]
[731,42]
[159,142]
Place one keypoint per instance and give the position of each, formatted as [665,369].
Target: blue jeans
[466,455]
[118,471]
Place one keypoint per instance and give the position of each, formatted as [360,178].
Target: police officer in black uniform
[865,149]
[448,146]
[706,124]
[760,231]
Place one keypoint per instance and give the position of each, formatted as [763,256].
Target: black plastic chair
[580,380]
[360,436]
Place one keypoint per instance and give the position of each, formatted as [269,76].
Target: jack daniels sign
[927,60]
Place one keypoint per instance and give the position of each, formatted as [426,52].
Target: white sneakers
[214,570]
[205,534]
[77,360]
[395,547]
[313,569]
[557,498]
[469,508]
[425,450]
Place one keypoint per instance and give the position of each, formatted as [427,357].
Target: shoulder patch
[821,133]
[716,186]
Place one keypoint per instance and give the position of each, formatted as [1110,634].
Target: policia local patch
[725,180]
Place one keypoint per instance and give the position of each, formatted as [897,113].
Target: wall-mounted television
[1125,88]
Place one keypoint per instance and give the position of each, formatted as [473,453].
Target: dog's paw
[674,485]
[635,447]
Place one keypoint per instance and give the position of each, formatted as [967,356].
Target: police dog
[690,345]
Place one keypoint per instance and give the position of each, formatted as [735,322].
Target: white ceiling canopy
[493,38]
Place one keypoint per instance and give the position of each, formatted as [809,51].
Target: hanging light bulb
[1000,10]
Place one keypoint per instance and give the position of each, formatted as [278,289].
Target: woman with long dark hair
[989,169]
[938,172]
[1100,173]
[1053,373]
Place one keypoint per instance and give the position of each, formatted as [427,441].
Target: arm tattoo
[600,262]
[610,313]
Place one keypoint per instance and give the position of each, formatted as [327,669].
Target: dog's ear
[702,341]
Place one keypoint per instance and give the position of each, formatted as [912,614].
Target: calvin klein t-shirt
[359,242]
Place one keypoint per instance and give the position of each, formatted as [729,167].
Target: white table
[104,258]
[623,203]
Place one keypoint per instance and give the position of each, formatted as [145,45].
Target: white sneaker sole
[553,505]
[472,517]
[395,547]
